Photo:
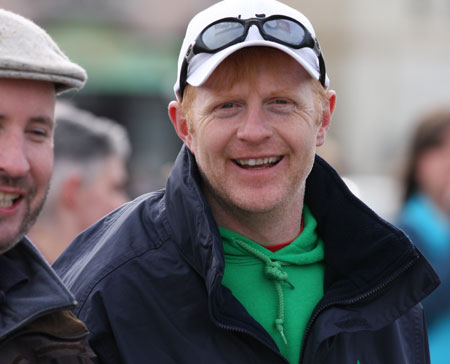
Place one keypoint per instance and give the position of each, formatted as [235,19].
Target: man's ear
[179,122]
[69,193]
[326,118]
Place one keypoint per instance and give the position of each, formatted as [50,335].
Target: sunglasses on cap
[225,32]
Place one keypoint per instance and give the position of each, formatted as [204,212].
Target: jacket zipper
[238,329]
[352,301]
[241,330]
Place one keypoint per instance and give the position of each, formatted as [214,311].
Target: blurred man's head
[32,70]
[89,176]
[90,164]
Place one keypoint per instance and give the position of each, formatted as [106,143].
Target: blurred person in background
[36,324]
[425,217]
[89,177]
[256,251]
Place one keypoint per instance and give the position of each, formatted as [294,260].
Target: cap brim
[62,82]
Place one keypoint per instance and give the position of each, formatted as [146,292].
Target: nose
[255,128]
[13,156]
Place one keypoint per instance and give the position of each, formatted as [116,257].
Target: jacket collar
[365,256]
[190,218]
[10,275]
[374,249]
[37,289]
[362,251]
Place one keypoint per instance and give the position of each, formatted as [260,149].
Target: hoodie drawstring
[273,271]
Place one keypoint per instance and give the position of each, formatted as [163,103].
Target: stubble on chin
[30,217]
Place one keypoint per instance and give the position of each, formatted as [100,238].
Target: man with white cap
[36,324]
[256,251]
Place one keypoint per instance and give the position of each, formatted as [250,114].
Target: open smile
[258,163]
[9,199]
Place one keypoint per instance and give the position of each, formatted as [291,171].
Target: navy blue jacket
[36,324]
[148,281]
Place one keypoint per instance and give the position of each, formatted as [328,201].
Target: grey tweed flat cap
[27,51]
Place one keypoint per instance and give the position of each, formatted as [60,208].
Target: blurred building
[388,62]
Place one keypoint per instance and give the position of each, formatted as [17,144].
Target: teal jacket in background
[429,230]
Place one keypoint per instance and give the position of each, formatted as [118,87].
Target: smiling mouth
[257,163]
[8,199]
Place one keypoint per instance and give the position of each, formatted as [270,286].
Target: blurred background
[389,62]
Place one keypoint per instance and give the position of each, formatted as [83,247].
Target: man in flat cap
[256,251]
[36,325]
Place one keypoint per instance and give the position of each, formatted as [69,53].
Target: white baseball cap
[28,52]
[202,65]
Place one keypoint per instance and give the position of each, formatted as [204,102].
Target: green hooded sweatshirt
[279,289]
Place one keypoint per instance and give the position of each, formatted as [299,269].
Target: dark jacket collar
[357,240]
[10,275]
[191,220]
[37,289]
[362,251]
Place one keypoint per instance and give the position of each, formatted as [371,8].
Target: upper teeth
[7,199]
[257,161]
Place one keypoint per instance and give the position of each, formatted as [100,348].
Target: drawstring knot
[273,271]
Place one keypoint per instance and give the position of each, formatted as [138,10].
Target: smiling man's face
[26,154]
[255,142]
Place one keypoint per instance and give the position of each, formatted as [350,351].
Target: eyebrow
[36,119]
[282,91]
[42,120]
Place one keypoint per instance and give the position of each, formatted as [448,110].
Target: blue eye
[281,102]
[228,105]
[280,105]
[227,109]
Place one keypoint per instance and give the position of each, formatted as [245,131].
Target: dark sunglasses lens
[285,30]
[220,34]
